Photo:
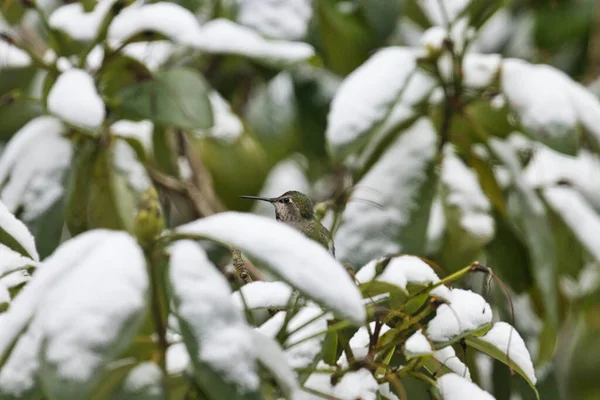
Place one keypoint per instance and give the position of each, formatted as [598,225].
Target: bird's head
[290,206]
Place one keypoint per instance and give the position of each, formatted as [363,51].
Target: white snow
[301,262]
[91,315]
[436,227]
[152,54]
[220,336]
[455,387]
[18,231]
[540,96]
[447,356]
[286,175]
[277,19]
[145,380]
[433,39]
[80,25]
[261,294]
[417,345]
[178,358]
[366,97]
[10,261]
[227,126]
[168,19]
[15,278]
[4,295]
[67,256]
[361,337]
[303,355]
[126,162]
[18,376]
[501,336]
[354,385]
[547,167]
[12,57]
[466,312]
[369,231]
[480,70]
[140,131]
[75,99]
[464,195]
[587,107]
[403,270]
[579,216]
[222,36]
[33,165]
[273,324]
[271,355]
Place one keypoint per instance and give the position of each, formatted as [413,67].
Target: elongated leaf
[299,261]
[110,289]
[389,220]
[527,213]
[540,96]
[365,98]
[504,343]
[15,235]
[215,333]
[177,97]
[68,256]
[579,216]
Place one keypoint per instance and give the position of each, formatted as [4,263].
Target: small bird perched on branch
[297,210]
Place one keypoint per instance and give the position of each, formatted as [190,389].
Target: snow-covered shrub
[132,127]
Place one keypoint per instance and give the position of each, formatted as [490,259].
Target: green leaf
[121,71]
[114,377]
[345,38]
[527,213]
[514,358]
[78,188]
[49,227]
[144,382]
[177,97]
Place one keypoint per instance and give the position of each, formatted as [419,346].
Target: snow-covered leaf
[214,330]
[169,19]
[504,343]
[354,385]
[261,294]
[12,57]
[417,345]
[176,97]
[15,235]
[75,99]
[455,387]
[548,168]
[221,36]
[279,19]
[540,96]
[392,221]
[582,219]
[66,258]
[467,312]
[90,316]
[77,23]
[445,360]
[11,261]
[401,272]
[144,382]
[467,209]
[528,214]
[366,97]
[272,357]
[287,253]
[33,166]
[138,131]
[152,54]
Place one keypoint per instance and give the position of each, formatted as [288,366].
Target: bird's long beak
[258,198]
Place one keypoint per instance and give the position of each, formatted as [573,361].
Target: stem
[157,315]
[333,328]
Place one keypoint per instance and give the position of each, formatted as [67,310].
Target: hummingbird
[297,210]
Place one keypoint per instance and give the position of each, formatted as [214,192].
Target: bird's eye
[286,200]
